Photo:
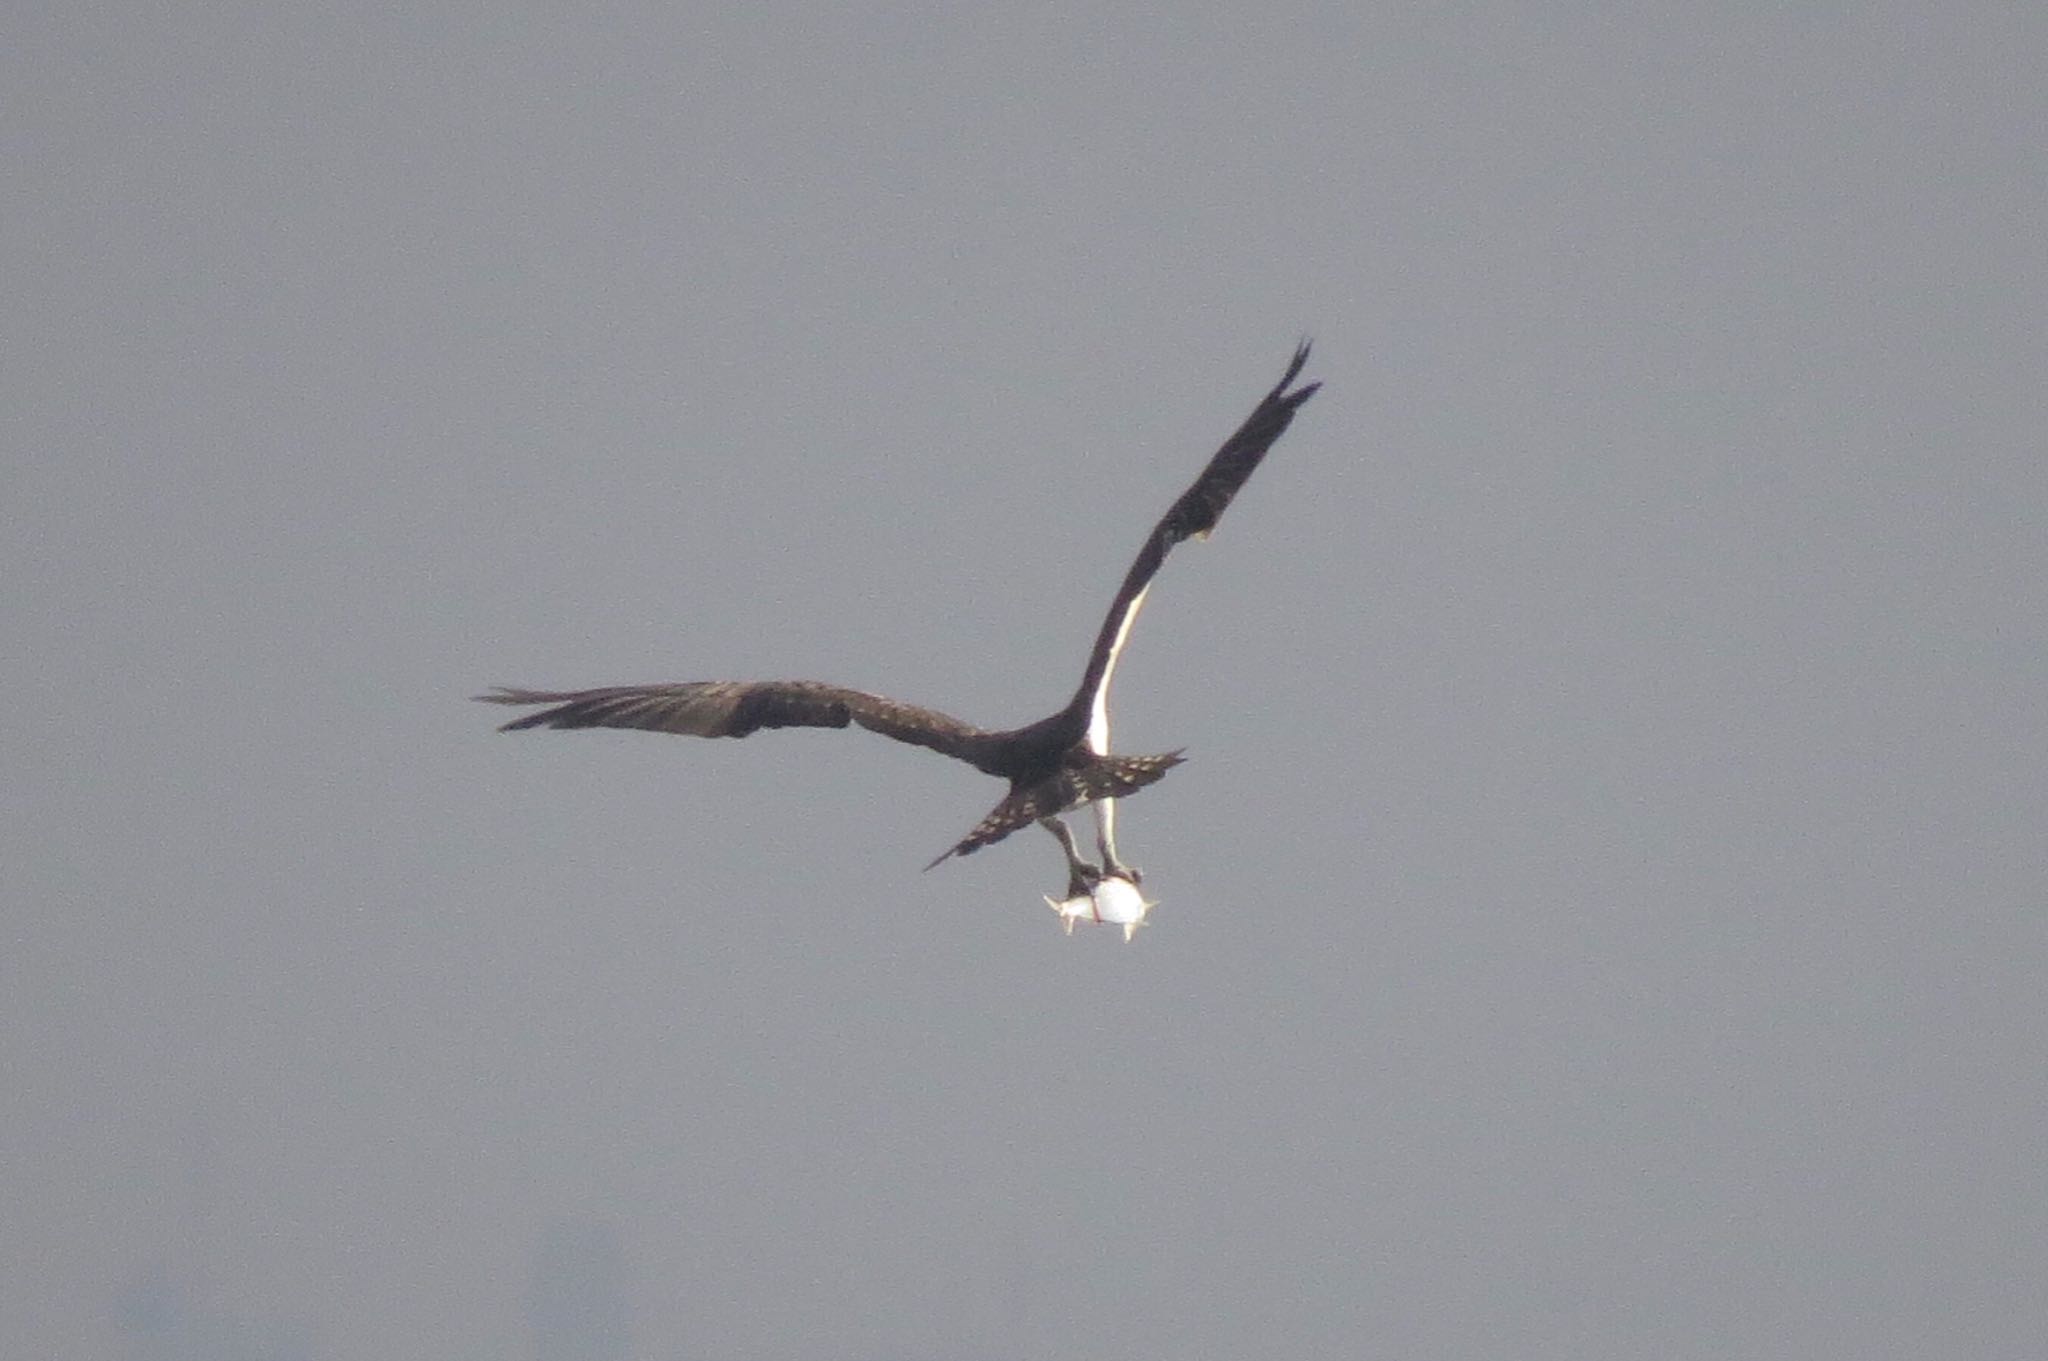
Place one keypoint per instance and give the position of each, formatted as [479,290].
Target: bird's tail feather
[1105,777]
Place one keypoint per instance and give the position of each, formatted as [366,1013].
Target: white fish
[1114,901]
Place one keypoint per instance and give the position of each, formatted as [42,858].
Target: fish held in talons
[1114,901]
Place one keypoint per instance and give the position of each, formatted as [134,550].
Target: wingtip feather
[1294,365]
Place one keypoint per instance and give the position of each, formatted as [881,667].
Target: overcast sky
[1602,912]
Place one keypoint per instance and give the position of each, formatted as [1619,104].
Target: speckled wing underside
[1112,777]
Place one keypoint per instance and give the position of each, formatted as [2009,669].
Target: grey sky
[1602,912]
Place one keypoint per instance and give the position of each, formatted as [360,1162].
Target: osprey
[1057,764]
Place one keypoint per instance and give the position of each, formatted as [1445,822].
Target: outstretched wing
[736,708]
[1191,516]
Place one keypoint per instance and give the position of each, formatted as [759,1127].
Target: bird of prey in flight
[1060,763]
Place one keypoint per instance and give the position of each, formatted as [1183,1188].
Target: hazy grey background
[1602,910]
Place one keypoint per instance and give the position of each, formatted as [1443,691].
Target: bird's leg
[1082,877]
[1105,838]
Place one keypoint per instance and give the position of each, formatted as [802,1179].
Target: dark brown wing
[1197,510]
[736,708]
[1202,505]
